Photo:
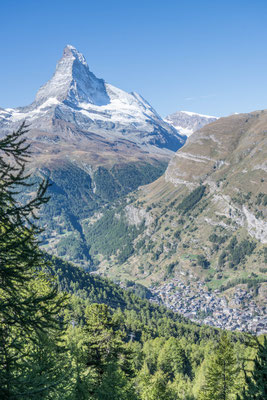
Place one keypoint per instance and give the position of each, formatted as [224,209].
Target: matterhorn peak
[71,51]
[73,83]
[75,98]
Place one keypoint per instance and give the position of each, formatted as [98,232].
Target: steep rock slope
[187,122]
[204,220]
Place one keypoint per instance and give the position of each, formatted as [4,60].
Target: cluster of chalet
[202,306]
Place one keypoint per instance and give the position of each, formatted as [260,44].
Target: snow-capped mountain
[76,97]
[187,122]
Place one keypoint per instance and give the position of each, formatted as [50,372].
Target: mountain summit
[73,82]
[76,98]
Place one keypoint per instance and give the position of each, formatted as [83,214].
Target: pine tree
[103,365]
[154,387]
[29,300]
[221,375]
[172,359]
[256,382]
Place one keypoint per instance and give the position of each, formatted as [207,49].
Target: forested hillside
[65,334]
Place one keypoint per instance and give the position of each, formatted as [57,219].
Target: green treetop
[256,381]
[221,375]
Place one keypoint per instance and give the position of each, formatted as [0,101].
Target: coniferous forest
[66,334]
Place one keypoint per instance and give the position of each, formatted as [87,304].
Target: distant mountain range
[187,122]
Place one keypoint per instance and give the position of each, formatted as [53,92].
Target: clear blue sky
[203,56]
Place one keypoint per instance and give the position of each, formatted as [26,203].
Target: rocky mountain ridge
[187,122]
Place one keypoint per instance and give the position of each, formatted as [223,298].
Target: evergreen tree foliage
[29,301]
[172,359]
[221,375]
[256,382]
[190,201]
[154,387]
[102,362]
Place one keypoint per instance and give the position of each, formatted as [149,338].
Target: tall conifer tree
[221,376]
[256,382]
[29,301]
